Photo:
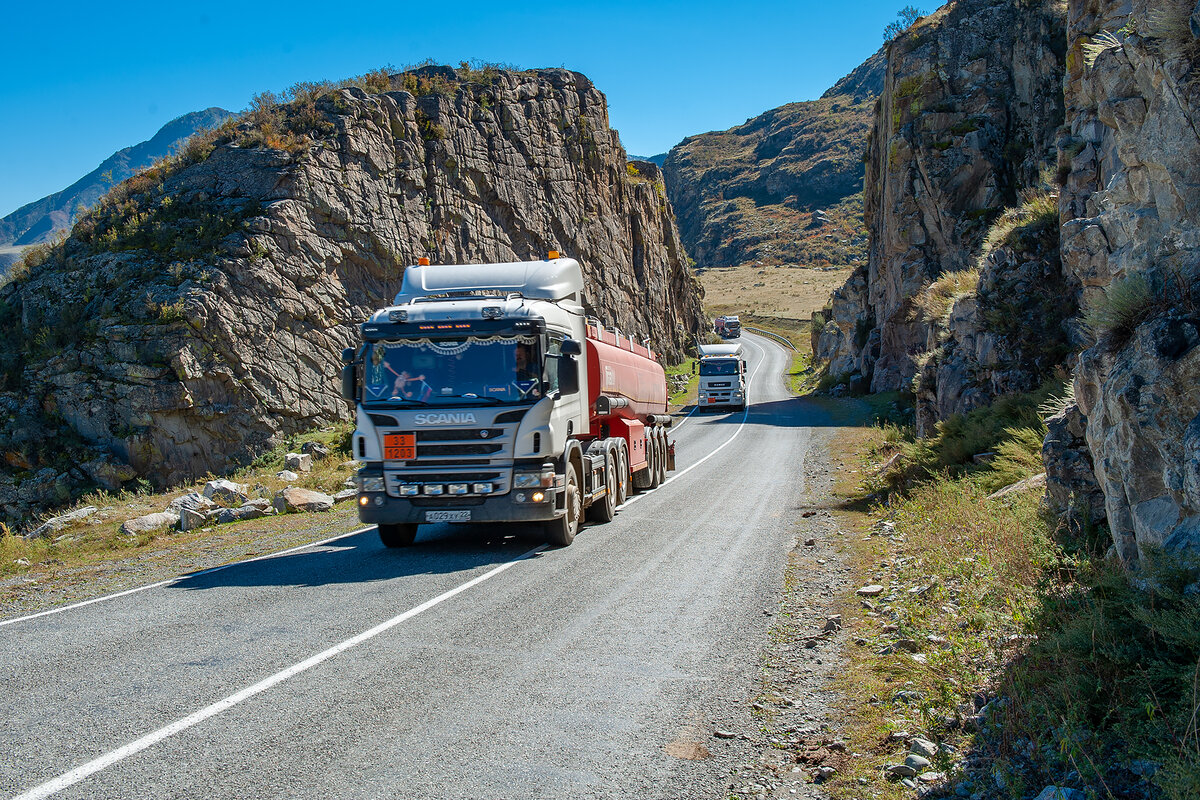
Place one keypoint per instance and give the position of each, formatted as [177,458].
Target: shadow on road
[792,412]
[439,549]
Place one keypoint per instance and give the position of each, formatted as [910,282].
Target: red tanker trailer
[627,395]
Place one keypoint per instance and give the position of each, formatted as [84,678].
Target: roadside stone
[149,522]
[909,783]
[192,500]
[823,774]
[922,747]
[55,524]
[1060,793]
[223,491]
[917,762]
[315,449]
[228,515]
[1036,482]
[724,734]
[810,542]
[344,495]
[287,475]
[295,499]
[301,462]
[833,624]
[190,519]
[872,590]
[900,770]
[931,777]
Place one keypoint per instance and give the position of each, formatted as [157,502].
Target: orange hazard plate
[399,446]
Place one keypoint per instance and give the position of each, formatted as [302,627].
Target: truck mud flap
[671,456]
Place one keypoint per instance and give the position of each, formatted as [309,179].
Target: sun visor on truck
[554,279]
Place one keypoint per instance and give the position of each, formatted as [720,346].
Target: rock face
[785,187]
[198,314]
[1131,237]
[968,117]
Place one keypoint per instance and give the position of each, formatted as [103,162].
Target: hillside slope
[784,187]
[197,316]
[38,221]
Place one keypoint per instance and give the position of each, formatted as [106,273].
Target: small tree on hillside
[905,19]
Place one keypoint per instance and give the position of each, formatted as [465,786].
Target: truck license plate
[399,446]
[448,516]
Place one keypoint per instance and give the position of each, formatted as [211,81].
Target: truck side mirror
[348,355]
[568,372]
[570,347]
[350,382]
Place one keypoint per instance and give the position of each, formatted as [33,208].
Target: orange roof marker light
[553,254]
[422,262]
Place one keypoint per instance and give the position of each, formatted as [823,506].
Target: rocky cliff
[198,314]
[965,127]
[1131,238]
[785,187]
[38,221]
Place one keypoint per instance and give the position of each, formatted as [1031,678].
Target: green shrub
[1126,301]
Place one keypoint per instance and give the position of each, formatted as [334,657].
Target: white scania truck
[722,376]
[485,394]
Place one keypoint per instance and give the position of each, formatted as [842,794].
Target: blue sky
[101,76]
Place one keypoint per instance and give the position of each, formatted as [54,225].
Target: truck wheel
[561,532]
[644,477]
[663,456]
[622,472]
[604,509]
[401,535]
[656,460]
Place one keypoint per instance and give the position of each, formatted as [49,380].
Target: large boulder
[294,499]
[149,523]
[55,524]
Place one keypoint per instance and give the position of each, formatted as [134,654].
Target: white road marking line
[727,442]
[685,419]
[121,753]
[169,581]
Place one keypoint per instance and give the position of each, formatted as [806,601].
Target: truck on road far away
[484,394]
[722,376]
[728,327]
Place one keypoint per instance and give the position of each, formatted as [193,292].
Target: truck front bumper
[380,507]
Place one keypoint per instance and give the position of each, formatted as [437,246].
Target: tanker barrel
[605,405]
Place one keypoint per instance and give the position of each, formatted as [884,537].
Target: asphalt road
[350,671]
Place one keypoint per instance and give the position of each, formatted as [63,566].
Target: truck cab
[722,370]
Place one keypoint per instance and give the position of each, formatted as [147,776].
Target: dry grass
[776,292]
[97,541]
[936,300]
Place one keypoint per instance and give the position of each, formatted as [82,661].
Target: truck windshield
[719,366]
[445,371]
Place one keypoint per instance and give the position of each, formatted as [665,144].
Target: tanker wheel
[401,535]
[622,472]
[561,532]
[656,460]
[604,509]
[662,452]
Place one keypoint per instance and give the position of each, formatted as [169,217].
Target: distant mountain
[784,187]
[40,220]
[658,159]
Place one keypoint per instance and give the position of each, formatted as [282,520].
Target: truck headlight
[433,488]
[483,488]
[533,480]
[410,489]
[457,488]
[370,484]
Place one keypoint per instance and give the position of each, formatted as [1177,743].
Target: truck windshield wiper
[470,396]
[407,400]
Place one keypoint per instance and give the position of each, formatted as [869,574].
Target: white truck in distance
[722,376]
[484,394]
